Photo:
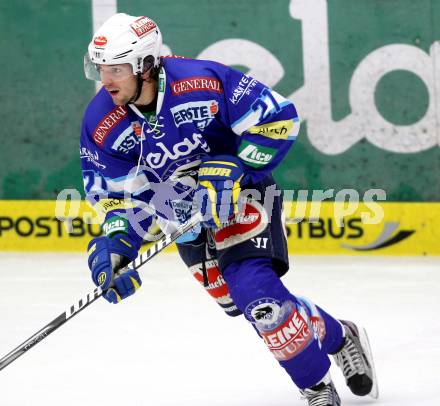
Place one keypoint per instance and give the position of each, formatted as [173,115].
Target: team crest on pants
[249,223]
[265,311]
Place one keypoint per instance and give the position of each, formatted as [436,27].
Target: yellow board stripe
[413,228]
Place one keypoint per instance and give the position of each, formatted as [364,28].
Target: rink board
[312,228]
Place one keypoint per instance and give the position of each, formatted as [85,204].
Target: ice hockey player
[166,137]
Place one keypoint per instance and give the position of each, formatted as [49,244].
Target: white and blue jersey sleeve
[266,124]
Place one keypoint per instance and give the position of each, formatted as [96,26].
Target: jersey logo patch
[91,157]
[256,155]
[196,83]
[277,130]
[181,149]
[106,125]
[244,87]
[201,113]
[129,138]
[182,210]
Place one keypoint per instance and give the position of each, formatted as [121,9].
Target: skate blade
[363,337]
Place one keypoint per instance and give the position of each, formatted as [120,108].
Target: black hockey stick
[91,297]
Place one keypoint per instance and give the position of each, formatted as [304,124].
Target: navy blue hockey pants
[298,333]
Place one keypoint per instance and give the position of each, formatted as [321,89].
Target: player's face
[119,81]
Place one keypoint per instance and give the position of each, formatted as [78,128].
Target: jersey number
[93,181]
[267,105]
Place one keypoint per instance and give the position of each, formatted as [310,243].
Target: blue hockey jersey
[135,163]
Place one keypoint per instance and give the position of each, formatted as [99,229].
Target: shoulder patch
[106,125]
[256,155]
[278,130]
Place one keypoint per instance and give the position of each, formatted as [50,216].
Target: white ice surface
[170,344]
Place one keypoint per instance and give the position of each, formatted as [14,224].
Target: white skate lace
[321,397]
[350,360]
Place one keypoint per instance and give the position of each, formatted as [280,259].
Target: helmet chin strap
[139,82]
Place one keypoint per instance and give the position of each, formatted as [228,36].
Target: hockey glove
[219,189]
[108,257]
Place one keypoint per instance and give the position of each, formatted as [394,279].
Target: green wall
[44,94]
[365,87]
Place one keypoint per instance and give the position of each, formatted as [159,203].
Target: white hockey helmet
[123,39]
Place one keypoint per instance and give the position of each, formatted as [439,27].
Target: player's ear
[148,68]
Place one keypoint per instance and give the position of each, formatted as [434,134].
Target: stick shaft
[84,302]
[50,328]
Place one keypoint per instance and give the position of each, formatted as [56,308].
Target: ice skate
[356,361]
[322,394]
